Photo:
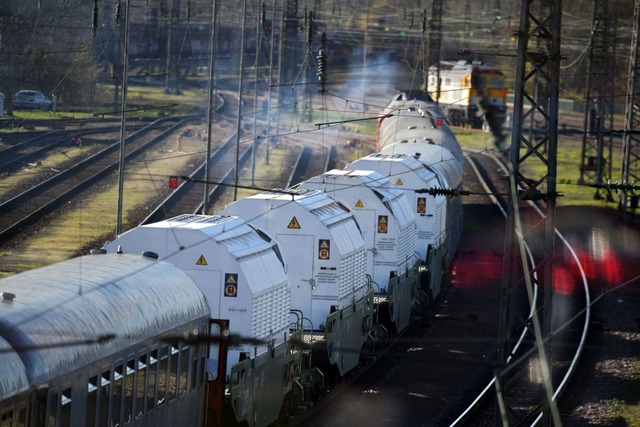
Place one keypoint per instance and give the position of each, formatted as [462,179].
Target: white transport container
[237,267]
[384,214]
[410,175]
[325,254]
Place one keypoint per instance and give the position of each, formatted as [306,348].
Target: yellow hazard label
[324,244]
[294,223]
[201,261]
[399,182]
[359,204]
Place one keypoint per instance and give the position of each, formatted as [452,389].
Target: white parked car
[31,100]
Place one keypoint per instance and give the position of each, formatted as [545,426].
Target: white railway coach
[102,340]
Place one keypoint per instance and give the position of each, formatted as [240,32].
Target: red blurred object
[477,269]
[173,182]
[564,281]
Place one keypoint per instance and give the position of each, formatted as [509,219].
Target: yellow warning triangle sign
[399,182]
[231,279]
[359,204]
[382,219]
[324,244]
[201,261]
[294,223]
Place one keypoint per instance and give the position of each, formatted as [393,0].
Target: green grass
[621,411]
[568,168]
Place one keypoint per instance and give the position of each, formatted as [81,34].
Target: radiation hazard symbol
[359,204]
[422,205]
[201,261]
[383,222]
[231,284]
[294,223]
[324,249]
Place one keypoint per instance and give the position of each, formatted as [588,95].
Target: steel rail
[587,312]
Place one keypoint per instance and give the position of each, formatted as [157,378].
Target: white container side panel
[353,275]
[346,236]
[270,309]
[298,251]
[352,265]
[270,318]
[407,247]
[403,211]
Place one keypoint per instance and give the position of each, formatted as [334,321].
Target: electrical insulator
[322,65]
[322,62]
[117,13]
[310,28]
[94,23]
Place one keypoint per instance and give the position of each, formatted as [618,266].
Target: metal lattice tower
[597,138]
[538,59]
[631,144]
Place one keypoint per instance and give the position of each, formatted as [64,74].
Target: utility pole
[211,95]
[172,79]
[538,57]
[123,116]
[236,172]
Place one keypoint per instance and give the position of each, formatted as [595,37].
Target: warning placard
[383,222]
[231,284]
[324,249]
[359,204]
[294,223]
[399,182]
[421,205]
[201,261]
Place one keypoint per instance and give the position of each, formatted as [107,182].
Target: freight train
[471,94]
[246,316]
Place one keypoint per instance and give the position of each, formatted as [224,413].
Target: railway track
[31,205]
[33,149]
[403,388]
[521,403]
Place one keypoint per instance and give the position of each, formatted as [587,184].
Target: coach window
[129,389]
[184,369]
[22,417]
[173,370]
[141,385]
[116,410]
[65,411]
[153,379]
[103,398]
[52,410]
[162,375]
[92,401]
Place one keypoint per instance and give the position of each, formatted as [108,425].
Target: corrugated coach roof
[126,297]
